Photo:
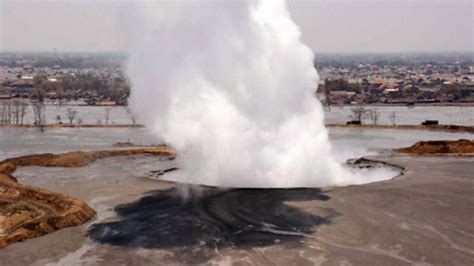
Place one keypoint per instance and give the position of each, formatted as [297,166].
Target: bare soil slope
[27,212]
[440,146]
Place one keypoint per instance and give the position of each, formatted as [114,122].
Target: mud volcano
[197,227]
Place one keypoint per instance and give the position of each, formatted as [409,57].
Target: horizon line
[314,52]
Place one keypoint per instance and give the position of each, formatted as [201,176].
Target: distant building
[5,96]
[377,83]
[28,67]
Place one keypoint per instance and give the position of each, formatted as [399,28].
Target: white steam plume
[230,86]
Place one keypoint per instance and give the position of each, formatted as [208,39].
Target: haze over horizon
[326,26]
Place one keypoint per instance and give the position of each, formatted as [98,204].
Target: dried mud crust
[27,212]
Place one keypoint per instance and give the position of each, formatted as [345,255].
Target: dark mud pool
[198,226]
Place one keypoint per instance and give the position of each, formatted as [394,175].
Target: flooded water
[88,114]
[23,141]
[455,115]
[347,142]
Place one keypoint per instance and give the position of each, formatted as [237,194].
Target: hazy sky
[327,26]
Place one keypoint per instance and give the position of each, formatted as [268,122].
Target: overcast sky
[327,26]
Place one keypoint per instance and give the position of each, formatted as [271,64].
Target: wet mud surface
[198,226]
[423,217]
[27,212]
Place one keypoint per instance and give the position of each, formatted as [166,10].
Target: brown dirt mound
[27,212]
[440,146]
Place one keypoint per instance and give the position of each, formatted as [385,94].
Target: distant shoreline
[401,105]
[446,128]
[332,105]
[70,126]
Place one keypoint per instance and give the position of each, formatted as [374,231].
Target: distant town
[98,79]
[405,79]
[72,79]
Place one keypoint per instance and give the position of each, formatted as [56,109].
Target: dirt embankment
[450,128]
[27,212]
[439,146]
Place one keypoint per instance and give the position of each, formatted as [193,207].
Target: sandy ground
[423,217]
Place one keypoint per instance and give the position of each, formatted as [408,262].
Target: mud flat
[422,217]
[27,212]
